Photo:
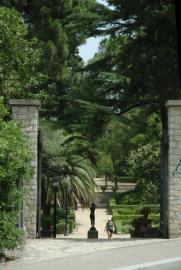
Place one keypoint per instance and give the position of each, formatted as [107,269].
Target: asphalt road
[109,259]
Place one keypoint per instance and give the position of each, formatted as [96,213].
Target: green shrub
[155,218]
[122,228]
[15,170]
[126,207]
[71,223]
[122,211]
[127,179]
[112,202]
[61,220]
[71,214]
[127,228]
[126,221]
[124,216]
[60,213]
[132,197]
[61,226]
[47,222]
[10,235]
[47,225]
[136,208]
[118,227]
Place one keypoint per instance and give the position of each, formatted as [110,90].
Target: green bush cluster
[125,214]
[10,234]
[112,203]
[71,222]
[127,179]
[61,225]
[15,170]
[134,209]
[47,221]
[133,197]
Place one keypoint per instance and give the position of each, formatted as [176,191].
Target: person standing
[109,228]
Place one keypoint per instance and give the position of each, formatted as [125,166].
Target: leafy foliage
[144,161]
[61,159]
[14,171]
[60,27]
[125,214]
[136,66]
[19,57]
[127,134]
[105,165]
[139,55]
[10,235]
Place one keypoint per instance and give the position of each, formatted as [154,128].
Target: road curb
[167,264]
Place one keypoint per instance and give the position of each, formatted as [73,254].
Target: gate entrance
[26,111]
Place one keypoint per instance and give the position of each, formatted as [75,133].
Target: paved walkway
[83,223]
[122,186]
[77,252]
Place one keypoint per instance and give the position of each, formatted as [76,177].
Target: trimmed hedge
[134,197]
[127,179]
[61,226]
[112,203]
[133,207]
[124,215]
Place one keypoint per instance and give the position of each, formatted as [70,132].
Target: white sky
[88,50]
[102,2]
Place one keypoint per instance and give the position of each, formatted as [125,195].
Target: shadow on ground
[99,239]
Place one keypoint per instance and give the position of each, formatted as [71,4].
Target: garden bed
[125,215]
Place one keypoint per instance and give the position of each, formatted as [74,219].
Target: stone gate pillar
[174,168]
[26,111]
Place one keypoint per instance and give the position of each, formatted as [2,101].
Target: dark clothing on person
[109,226]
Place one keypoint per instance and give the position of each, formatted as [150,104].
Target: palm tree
[81,182]
[60,159]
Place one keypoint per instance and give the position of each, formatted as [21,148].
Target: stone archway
[27,112]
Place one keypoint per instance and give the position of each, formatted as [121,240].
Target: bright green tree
[19,57]
[60,27]
[137,64]
[144,160]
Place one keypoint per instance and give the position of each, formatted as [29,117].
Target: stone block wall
[27,112]
[174,168]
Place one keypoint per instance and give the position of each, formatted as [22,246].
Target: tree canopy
[19,57]
[138,61]
[115,102]
[59,27]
